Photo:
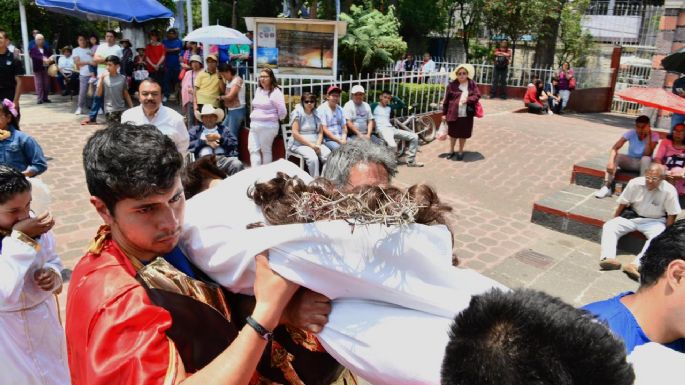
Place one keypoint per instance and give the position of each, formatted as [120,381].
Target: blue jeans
[170,80]
[331,144]
[234,118]
[97,104]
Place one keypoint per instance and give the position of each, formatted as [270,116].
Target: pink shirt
[666,150]
[268,108]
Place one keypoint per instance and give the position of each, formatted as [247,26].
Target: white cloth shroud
[394,289]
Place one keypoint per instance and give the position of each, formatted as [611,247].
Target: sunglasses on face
[462,73]
[309,102]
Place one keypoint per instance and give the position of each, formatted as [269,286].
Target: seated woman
[307,139]
[535,99]
[211,138]
[381,255]
[671,153]
[553,97]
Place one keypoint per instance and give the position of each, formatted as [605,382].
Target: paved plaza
[512,160]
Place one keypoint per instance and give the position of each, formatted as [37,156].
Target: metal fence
[424,91]
[630,76]
[624,22]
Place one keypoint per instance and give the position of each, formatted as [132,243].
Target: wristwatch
[261,330]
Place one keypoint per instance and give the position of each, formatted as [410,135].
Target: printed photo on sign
[267,57]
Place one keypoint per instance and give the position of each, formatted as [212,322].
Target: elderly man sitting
[648,204]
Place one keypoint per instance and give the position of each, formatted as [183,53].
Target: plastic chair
[287,133]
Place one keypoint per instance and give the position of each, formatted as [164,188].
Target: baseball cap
[213,57]
[357,90]
[333,88]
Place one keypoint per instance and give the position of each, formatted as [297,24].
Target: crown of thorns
[312,206]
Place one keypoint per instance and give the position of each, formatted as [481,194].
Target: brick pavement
[512,160]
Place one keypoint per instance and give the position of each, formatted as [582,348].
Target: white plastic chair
[287,133]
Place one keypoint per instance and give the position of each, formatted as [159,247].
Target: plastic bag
[479,110]
[442,131]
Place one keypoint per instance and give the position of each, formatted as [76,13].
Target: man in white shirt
[358,115]
[104,50]
[389,133]
[654,204]
[427,67]
[151,111]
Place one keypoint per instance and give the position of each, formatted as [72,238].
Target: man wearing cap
[172,45]
[358,114]
[151,111]
[332,119]
[208,85]
[210,137]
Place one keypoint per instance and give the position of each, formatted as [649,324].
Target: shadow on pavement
[615,120]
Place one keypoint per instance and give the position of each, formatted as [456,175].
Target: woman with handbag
[567,83]
[459,107]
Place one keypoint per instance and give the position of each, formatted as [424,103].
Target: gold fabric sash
[160,274]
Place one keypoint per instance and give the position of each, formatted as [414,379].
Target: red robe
[115,335]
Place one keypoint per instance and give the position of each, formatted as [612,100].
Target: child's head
[112,62]
[15,197]
[9,116]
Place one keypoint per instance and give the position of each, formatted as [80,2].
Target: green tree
[574,41]
[468,17]
[418,18]
[372,39]
[514,18]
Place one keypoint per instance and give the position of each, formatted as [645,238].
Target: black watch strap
[261,330]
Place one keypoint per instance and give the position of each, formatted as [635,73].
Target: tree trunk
[313,9]
[546,45]
[234,15]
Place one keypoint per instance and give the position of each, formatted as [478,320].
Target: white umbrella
[217,34]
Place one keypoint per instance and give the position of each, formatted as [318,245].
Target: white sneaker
[549,112]
[78,111]
[603,192]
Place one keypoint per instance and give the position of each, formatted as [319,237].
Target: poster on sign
[297,48]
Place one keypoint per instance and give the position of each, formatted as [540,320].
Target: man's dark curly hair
[12,182]
[529,337]
[663,249]
[128,161]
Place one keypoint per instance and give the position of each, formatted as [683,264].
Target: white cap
[357,90]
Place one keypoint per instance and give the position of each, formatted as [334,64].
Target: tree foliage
[574,41]
[372,39]
[468,17]
[418,18]
[514,18]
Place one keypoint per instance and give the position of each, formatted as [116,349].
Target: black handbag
[629,213]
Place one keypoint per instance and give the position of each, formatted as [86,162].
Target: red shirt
[154,53]
[115,335]
[531,97]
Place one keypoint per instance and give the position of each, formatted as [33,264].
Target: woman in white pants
[307,136]
[268,108]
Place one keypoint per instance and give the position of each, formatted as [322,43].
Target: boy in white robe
[32,344]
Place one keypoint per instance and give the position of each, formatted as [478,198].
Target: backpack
[501,61]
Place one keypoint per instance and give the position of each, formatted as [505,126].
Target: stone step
[590,173]
[575,211]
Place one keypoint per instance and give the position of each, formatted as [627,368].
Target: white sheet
[394,289]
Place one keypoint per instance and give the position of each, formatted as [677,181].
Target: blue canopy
[123,10]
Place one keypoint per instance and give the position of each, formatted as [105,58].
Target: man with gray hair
[648,204]
[360,162]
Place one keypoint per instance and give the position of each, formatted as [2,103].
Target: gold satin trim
[98,242]
[160,274]
[170,377]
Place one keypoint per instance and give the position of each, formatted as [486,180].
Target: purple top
[450,105]
[563,80]
[37,58]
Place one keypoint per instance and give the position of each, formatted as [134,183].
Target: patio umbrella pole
[24,37]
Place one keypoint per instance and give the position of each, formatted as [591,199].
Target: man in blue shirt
[641,143]
[656,312]
[173,46]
